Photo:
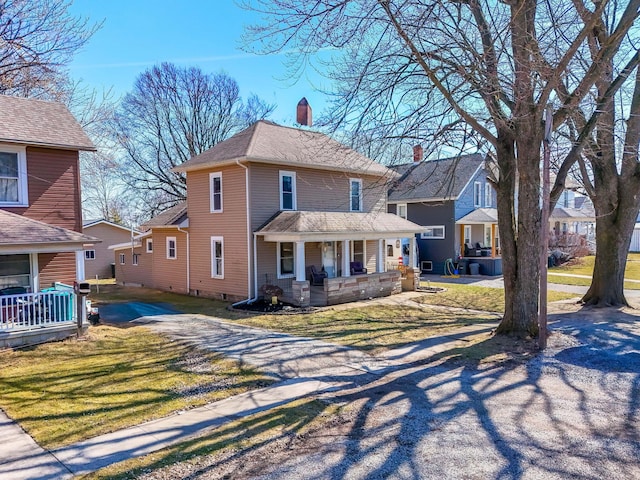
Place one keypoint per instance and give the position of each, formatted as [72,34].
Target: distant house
[278,210]
[455,204]
[98,260]
[41,240]
[158,257]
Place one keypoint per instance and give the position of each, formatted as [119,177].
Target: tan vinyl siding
[169,274]
[371,252]
[110,235]
[56,267]
[54,188]
[129,273]
[230,224]
[316,190]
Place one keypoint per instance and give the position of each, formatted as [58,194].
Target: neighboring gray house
[455,203]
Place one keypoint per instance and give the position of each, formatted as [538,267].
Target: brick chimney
[303,113]
[417,153]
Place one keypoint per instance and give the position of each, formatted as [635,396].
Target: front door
[328,259]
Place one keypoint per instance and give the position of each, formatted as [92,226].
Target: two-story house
[456,205]
[41,243]
[276,208]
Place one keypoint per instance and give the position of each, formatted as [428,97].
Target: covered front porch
[38,265]
[479,242]
[327,258]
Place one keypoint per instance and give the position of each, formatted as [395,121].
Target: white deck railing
[31,310]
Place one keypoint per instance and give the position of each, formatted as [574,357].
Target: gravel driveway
[571,412]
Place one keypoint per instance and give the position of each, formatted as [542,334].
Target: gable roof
[37,122]
[18,230]
[267,142]
[479,216]
[170,217]
[102,221]
[443,179]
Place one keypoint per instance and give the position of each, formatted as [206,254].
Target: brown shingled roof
[267,142]
[171,216]
[20,230]
[37,122]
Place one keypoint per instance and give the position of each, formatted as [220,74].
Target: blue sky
[138,34]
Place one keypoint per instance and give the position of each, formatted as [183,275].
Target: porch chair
[357,268]
[317,277]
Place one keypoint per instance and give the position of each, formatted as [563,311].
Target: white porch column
[380,266]
[412,251]
[346,259]
[80,265]
[300,262]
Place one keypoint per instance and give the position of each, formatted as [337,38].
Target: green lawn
[584,266]
[67,391]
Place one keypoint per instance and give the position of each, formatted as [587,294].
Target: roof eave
[32,143]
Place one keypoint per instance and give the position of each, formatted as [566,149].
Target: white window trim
[405,210]
[87,257]
[352,251]
[175,248]
[215,240]
[135,258]
[424,236]
[477,194]
[149,242]
[487,195]
[467,229]
[287,275]
[122,259]
[294,193]
[23,191]
[211,203]
[351,182]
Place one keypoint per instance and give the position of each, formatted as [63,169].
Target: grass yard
[477,298]
[584,266]
[64,392]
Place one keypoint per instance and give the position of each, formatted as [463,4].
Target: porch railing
[35,310]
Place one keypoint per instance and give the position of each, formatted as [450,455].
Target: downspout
[250,298]
[188,261]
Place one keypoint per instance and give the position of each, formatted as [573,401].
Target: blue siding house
[456,204]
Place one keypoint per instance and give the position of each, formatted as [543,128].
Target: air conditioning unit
[426,266]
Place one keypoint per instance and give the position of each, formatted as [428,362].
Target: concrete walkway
[303,367]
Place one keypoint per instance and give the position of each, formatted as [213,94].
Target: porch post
[461,252]
[80,265]
[380,266]
[300,262]
[493,240]
[346,259]
[412,251]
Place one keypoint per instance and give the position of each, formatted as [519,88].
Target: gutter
[250,298]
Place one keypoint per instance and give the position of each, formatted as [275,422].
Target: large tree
[173,114]
[38,39]
[486,70]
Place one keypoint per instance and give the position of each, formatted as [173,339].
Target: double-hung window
[288,191]
[477,194]
[172,253]
[215,185]
[149,245]
[122,259]
[135,259]
[401,210]
[13,176]
[286,259]
[355,193]
[487,195]
[217,257]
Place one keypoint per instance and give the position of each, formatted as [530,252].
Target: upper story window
[172,253]
[149,245]
[288,191]
[355,192]
[401,210]
[487,194]
[13,176]
[477,194]
[215,183]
